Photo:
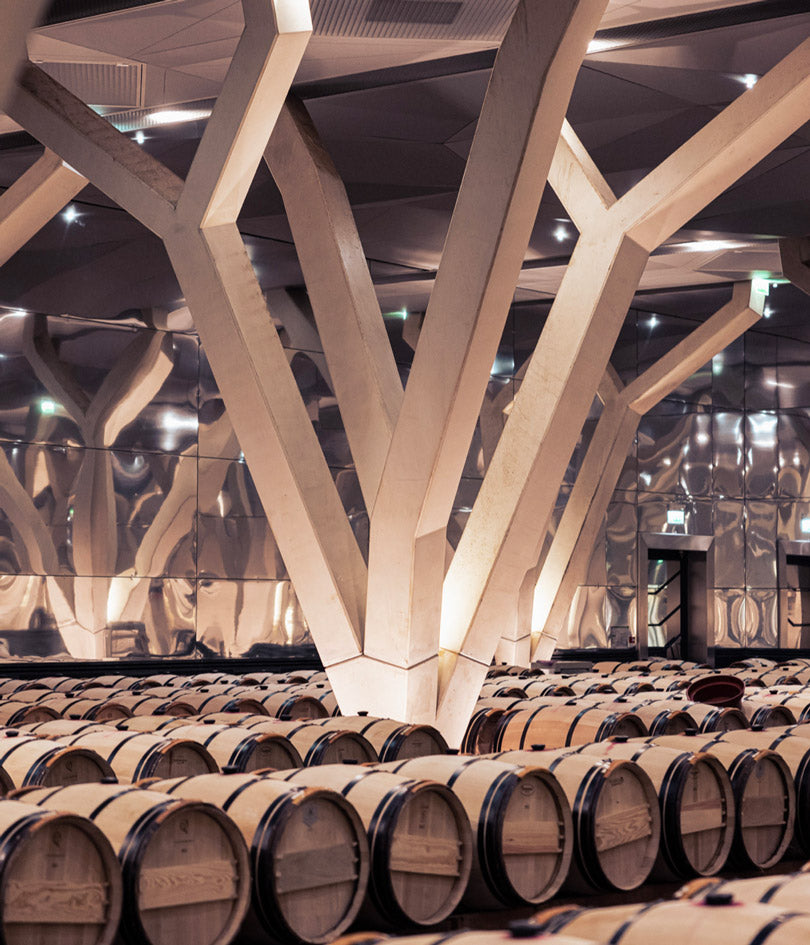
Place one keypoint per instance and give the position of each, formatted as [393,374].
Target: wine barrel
[202,702]
[75,705]
[521,821]
[291,706]
[718,919]
[712,718]
[795,751]
[479,738]
[791,891]
[20,713]
[658,720]
[503,690]
[517,929]
[558,726]
[62,728]
[231,746]
[617,824]
[764,715]
[393,741]
[316,745]
[27,761]
[308,851]
[60,881]
[144,704]
[185,866]
[764,796]
[419,839]
[8,687]
[54,683]
[155,723]
[135,755]
[696,802]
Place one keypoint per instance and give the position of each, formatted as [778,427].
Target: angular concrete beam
[566,564]
[18,20]
[727,147]
[143,186]
[275,433]
[33,200]
[577,181]
[262,70]
[350,324]
[507,168]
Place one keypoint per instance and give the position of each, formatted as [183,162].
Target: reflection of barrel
[764,796]
[59,879]
[316,745]
[133,755]
[521,822]
[393,741]
[418,835]
[290,706]
[185,867]
[243,750]
[21,713]
[696,803]
[617,825]
[672,923]
[29,761]
[308,850]
[558,726]
[791,891]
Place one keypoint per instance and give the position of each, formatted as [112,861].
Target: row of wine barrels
[558,724]
[233,747]
[316,745]
[659,720]
[308,851]
[134,755]
[391,740]
[419,839]
[707,718]
[696,803]
[521,823]
[674,922]
[185,867]
[764,797]
[617,824]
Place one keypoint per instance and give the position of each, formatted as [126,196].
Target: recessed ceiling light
[70,213]
[174,116]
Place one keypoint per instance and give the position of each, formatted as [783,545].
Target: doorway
[676,596]
[793,579]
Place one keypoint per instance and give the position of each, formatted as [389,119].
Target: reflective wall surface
[130,525]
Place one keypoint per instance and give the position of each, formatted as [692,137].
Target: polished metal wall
[129,523]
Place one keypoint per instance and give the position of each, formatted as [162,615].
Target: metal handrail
[665,584]
[664,619]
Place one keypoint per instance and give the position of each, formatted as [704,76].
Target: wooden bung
[617,824]
[521,823]
[419,839]
[184,864]
[308,849]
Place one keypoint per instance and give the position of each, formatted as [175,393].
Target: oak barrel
[791,891]
[20,713]
[60,881]
[290,706]
[617,824]
[185,866]
[419,839]
[521,822]
[308,851]
[232,746]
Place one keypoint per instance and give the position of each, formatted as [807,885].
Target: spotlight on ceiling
[140,137]
[749,80]
[175,116]
[560,234]
[70,213]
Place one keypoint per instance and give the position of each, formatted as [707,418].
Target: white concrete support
[496,208]
[795,256]
[502,539]
[275,433]
[17,19]
[566,564]
[33,200]
[350,324]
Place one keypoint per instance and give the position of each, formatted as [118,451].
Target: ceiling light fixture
[175,116]
[70,213]
[749,80]
[140,137]
[561,234]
